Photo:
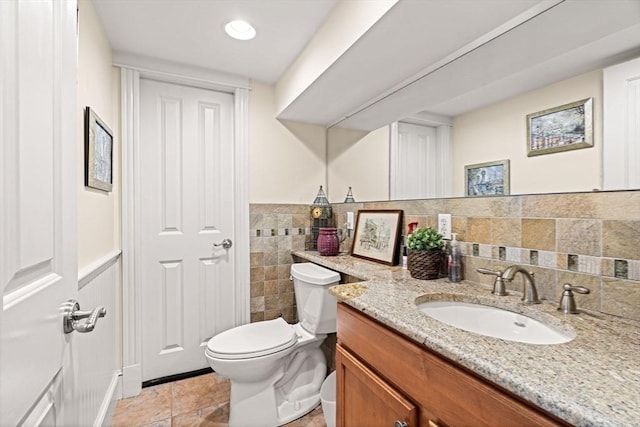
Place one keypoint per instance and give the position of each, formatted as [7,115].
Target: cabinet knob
[400,424]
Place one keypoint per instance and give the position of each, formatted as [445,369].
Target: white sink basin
[493,322]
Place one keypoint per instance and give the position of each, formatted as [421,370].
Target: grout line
[171,402]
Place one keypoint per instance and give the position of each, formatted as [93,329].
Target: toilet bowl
[277,369]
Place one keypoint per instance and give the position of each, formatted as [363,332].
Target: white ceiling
[442,57]
[192,32]
[553,40]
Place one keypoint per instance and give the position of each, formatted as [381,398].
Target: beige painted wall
[498,132]
[359,160]
[98,83]
[287,160]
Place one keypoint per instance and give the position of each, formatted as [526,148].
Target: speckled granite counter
[593,380]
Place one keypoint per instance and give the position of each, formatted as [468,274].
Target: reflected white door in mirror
[621,126]
[420,161]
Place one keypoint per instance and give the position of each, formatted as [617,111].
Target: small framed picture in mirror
[487,179]
[567,127]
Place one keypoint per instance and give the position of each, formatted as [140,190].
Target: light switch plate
[349,220]
[444,225]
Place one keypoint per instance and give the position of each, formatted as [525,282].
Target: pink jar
[328,242]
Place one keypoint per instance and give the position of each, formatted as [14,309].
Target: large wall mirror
[473,109]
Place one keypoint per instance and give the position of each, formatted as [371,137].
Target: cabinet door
[364,399]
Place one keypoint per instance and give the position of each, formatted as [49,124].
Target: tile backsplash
[587,239]
[275,230]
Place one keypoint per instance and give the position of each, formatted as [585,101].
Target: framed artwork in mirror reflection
[487,179]
[567,127]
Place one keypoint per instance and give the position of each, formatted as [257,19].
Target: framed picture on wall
[377,236]
[98,152]
[487,179]
[567,127]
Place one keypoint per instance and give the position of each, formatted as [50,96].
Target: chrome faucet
[529,296]
[499,288]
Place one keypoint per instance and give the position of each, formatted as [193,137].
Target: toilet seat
[253,340]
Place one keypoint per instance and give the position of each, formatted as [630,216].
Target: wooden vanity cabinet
[369,400]
[384,379]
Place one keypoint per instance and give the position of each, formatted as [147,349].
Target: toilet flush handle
[82,321]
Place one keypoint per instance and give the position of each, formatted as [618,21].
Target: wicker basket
[424,265]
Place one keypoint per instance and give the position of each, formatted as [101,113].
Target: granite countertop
[593,380]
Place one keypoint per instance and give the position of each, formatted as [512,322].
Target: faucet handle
[567,302]
[498,284]
[487,271]
[579,289]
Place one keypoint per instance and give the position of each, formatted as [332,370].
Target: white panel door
[621,139]
[186,205]
[38,260]
[414,164]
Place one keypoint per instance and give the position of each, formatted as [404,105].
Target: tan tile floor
[199,401]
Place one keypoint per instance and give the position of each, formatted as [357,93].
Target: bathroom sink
[494,322]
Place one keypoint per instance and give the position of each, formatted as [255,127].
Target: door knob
[82,321]
[226,244]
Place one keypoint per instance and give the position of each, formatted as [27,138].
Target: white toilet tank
[316,307]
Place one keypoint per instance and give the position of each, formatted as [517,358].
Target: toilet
[276,369]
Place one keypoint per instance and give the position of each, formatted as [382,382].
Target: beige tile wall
[588,239]
[275,230]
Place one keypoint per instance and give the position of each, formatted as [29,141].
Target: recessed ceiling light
[240,30]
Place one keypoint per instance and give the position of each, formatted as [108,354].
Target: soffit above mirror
[450,57]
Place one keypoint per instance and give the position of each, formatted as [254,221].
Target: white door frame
[132,70]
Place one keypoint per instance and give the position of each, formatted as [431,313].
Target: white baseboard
[131,381]
[111,397]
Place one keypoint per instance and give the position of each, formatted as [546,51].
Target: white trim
[131,380]
[394,159]
[107,408]
[445,174]
[241,208]
[131,342]
[187,75]
[130,94]
[96,268]
[428,119]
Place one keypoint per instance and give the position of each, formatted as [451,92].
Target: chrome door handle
[82,321]
[226,244]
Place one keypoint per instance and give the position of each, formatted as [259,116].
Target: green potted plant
[424,253]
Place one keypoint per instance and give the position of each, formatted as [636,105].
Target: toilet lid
[253,340]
